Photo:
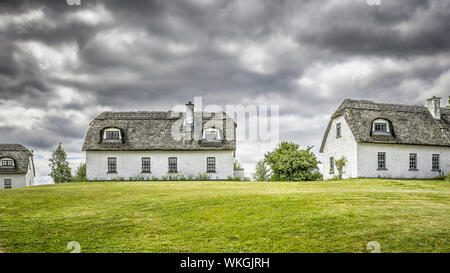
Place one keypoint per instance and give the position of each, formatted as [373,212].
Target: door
[7,183]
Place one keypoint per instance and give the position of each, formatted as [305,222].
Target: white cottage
[16,166]
[388,140]
[126,145]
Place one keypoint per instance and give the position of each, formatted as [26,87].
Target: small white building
[16,166]
[150,145]
[388,140]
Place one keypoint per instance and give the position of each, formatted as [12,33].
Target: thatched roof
[21,156]
[143,131]
[411,124]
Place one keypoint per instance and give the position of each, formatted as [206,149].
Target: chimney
[434,107]
[190,114]
[189,122]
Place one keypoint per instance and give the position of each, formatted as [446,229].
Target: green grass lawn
[335,216]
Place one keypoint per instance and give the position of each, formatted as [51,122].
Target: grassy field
[335,216]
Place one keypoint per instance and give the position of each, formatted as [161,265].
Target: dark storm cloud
[398,28]
[69,63]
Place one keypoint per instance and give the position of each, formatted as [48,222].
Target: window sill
[172,172]
[413,170]
[146,172]
[112,172]
[381,133]
[331,172]
[382,169]
[211,172]
[435,170]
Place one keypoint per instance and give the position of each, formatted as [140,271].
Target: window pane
[413,161]
[381,127]
[7,163]
[112,164]
[112,134]
[331,164]
[172,164]
[381,160]
[7,183]
[435,162]
[146,164]
[211,164]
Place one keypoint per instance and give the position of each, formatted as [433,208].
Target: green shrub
[203,177]
[233,178]
[290,163]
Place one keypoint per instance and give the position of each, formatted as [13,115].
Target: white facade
[129,163]
[338,146]
[362,158]
[397,160]
[19,180]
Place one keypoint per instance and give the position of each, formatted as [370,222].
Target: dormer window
[112,135]
[7,163]
[381,127]
[211,134]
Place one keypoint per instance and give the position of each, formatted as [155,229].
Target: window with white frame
[338,130]
[211,134]
[381,126]
[211,164]
[173,165]
[7,183]
[112,164]
[112,135]
[146,165]
[381,161]
[435,162]
[331,164]
[7,162]
[412,162]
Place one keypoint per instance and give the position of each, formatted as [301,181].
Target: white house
[16,166]
[125,145]
[388,140]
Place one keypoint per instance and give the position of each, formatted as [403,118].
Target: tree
[262,171]
[80,174]
[290,163]
[340,164]
[60,167]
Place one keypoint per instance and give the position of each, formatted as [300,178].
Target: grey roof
[144,131]
[411,124]
[21,156]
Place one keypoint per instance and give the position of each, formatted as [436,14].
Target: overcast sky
[62,65]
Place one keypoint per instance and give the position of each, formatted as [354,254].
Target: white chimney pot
[434,107]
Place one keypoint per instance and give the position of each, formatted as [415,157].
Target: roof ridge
[382,103]
[12,147]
